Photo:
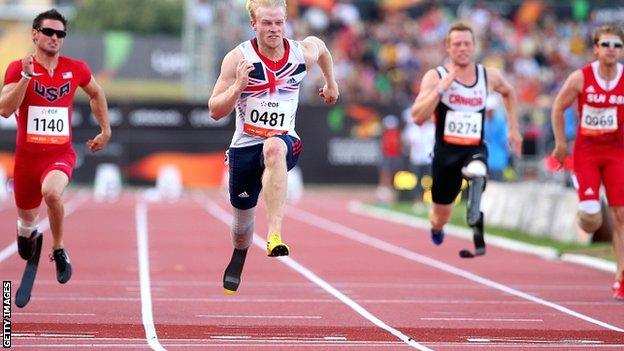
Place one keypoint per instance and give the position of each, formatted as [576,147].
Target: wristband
[26,75]
[440,91]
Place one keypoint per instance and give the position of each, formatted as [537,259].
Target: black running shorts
[448,161]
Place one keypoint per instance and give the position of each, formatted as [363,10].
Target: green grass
[458,218]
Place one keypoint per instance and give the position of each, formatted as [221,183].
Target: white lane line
[44,224]
[271,345]
[570,342]
[144,274]
[254,316]
[231,337]
[226,218]
[282,300]
[52,314]
[481,319]
[493,240]
[379,244]
[60,335]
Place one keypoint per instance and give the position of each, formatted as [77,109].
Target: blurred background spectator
[168,51]
[496,138]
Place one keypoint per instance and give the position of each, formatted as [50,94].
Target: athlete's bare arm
[230,84]
[568,93]
[13,94]
[315,51]
[499,84]
[99,107]
[429,96]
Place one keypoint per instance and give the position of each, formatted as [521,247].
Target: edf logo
[52,94]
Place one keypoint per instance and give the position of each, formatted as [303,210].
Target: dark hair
[459,27]
[50,14]
[608,29]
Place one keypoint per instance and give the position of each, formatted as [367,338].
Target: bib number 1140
[49,125]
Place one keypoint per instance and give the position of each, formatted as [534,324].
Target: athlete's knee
[589,215]
[274,150]
[475,169]
[242,227]
[51,196]
[25,226]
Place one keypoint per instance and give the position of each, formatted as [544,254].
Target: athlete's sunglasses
[617,44]
[49,32]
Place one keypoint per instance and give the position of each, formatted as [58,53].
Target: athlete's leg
[587,172]
[27,231]
[446,176]
[52,189]
[613,179]
[242,228]
[617,216]
[274,182]
[242,237]
[439,215]
[589,215]
[27,199]
[475,172]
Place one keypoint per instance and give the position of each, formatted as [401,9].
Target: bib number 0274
[464,128]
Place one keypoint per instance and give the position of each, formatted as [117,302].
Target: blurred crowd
[381,49]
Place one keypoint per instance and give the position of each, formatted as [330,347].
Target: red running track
[148,275]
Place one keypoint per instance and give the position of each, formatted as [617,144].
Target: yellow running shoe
[275,246]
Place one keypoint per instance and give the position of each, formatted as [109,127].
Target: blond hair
[252,6]
[608,29]
[459,27]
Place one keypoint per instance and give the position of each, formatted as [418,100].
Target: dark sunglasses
[611,44]
[49,32]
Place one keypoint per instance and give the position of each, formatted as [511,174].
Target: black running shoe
[63,266]
[26,245]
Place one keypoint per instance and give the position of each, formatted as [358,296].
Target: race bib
[266,118]
[598,120]
[463,128]
[47,125]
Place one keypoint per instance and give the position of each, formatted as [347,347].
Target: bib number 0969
[598,121]
[272,119]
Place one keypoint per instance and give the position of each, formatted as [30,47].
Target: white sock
[25,228]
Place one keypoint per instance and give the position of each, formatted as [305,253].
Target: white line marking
[44,224]
[144,273]
[493,240]
[478,340]
[283,300]
[231,337]
[215,344]
[254,317]
[453,230]
[588,261]
[226,218]
[379,244]
[48,335]
[481,319]
[535,341]
[52,314]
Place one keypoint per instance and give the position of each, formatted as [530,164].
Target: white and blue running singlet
[268,105]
